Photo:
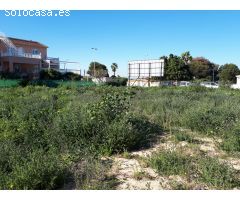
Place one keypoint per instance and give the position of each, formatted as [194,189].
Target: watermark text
[37,13]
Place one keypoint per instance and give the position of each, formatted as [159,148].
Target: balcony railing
[25,55]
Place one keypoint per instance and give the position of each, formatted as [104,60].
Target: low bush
[37,169]
[212,119]
[202,168]
[50,74]
[71,76]
[117,81]
[9,75]
[183,136]
[231,141]
[170,163]
[216,174]
[92,174]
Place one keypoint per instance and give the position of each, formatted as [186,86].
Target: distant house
[24,57]
[237,85]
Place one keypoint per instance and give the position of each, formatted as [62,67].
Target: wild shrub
[28,120]
[114,129]
[211,119]
[92,174]
[50,74]
[71,76]
[231,140]
[35,170]
[117,81]
[216,174]
[183,136]
[129,133]
[170,163]
[201,168]
[112,105]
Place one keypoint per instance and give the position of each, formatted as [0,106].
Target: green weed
[170,163]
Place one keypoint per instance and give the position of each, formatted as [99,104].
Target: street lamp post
[65,62]
[94,70]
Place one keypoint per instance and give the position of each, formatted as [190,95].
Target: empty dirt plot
[134,171]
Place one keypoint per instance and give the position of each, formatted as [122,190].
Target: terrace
[25,55]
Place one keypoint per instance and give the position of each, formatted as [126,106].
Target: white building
[237,85]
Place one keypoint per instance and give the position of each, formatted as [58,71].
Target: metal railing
[25,55]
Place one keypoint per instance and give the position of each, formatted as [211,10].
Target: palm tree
[187,58]
[114,67]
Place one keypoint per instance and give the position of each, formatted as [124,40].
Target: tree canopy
[100,70]
[228,72]
[176,68]
[202,68]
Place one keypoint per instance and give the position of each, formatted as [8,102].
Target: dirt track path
[133,174]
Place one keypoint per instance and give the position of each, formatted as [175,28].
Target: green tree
[114,67]
[202,68]
[228,72]
[98,70]
[175,68]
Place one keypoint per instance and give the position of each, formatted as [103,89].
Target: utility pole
[149,75]
[213,75]
[213,72]
[129,74]
[94,70]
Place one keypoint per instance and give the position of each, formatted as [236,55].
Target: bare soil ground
[133,173]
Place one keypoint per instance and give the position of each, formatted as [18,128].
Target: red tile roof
[27,41]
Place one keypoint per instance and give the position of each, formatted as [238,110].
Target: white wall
[237,85]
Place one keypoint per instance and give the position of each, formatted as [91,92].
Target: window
[20,51]
[35,52]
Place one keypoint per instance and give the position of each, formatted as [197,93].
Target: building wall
[2,48]
[237,85]
[24,65]
[28,67]
[28,47]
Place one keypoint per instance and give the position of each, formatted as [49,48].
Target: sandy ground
[127,169]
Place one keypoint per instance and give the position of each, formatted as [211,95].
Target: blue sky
[121,36]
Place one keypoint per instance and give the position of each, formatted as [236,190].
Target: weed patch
[170,163]
[183,136]
[216,174]
[203,169]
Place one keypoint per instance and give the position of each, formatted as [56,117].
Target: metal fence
[6,83]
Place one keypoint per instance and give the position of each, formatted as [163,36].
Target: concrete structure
[24,57]
[144,83]
[101,80]
[237,85]
[145,73]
